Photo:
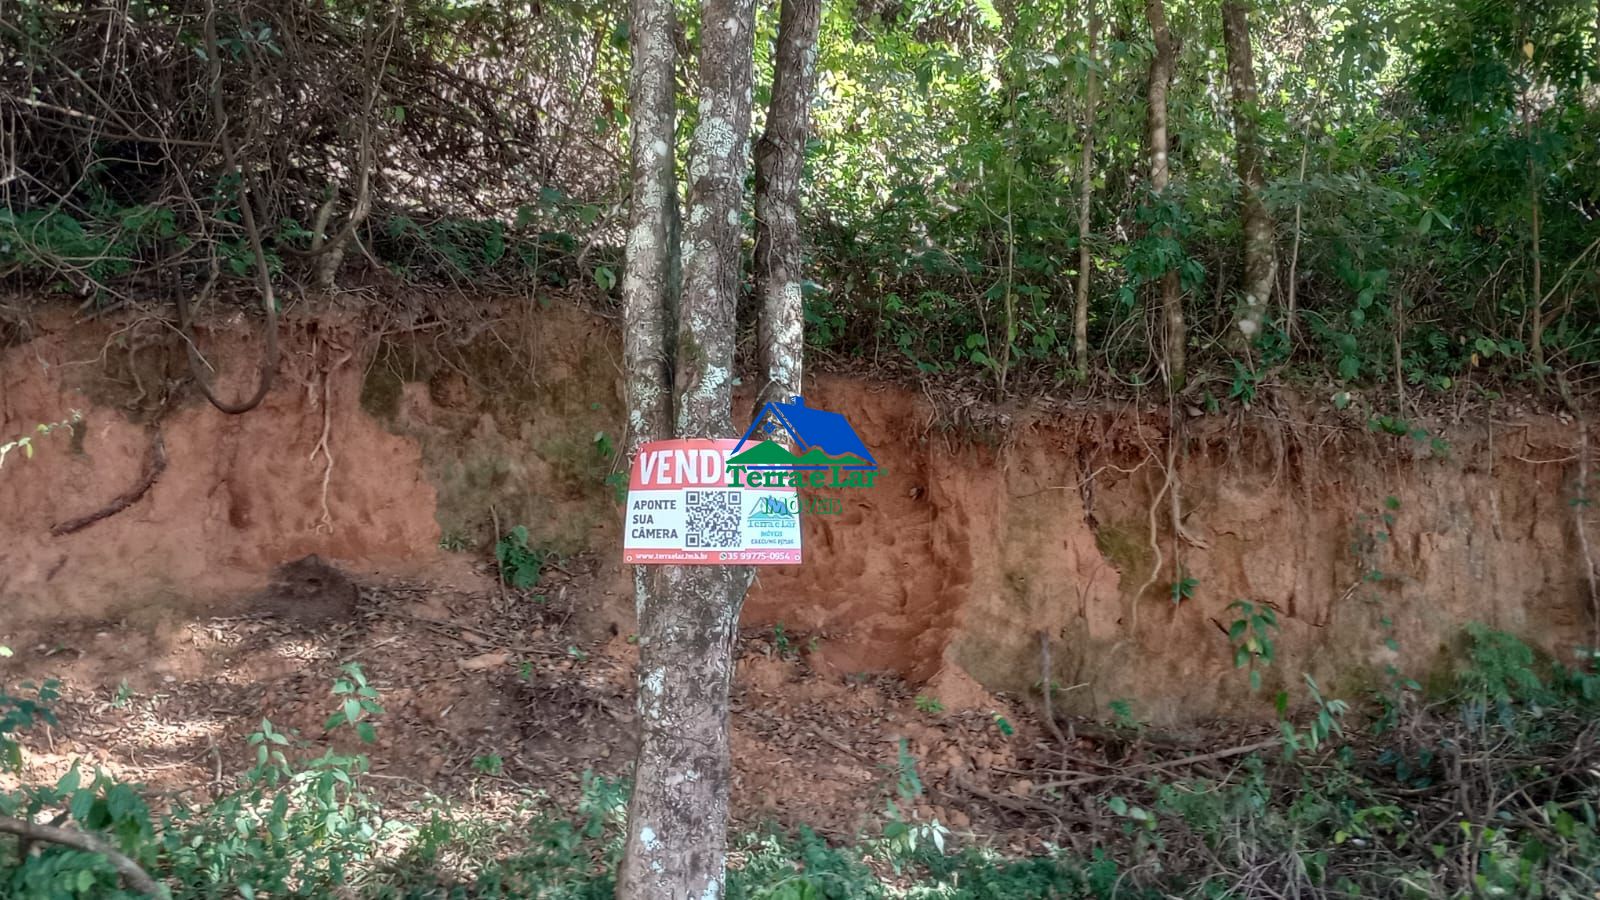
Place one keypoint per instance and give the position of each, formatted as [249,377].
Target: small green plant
[1122,715]
[577,653]
[929,705]
[618,482]
[488,764]
[905,834]
[19,713]
[453,541]
[520,564]
[1324,721]
[358,704]
[1245,383]
[1500,677]
[1137,822]
[1399,427]
[1251,634]
[780,640]
[1183,588]
[25,443]
[123,694]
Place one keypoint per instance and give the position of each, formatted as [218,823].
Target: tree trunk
[1260,259]
[1080,311]
[650,250]
[780,158]
[688,615]
[1536,338]
[1536,341]
[1161,63]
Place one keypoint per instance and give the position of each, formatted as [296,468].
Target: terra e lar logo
[827,454]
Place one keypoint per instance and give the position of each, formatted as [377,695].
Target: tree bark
[780,158]
[1260,258]
[650,250]
[688,615]
[1080,311]
[1161,62]
[712,227]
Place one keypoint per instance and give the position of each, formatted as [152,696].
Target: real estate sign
[684,509]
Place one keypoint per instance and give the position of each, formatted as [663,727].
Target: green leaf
[987,11]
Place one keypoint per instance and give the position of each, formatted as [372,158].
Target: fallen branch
[1160,766]
[158,464]
[136,877]
[841,746]
[1018,804]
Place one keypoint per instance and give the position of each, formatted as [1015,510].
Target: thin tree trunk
[650,271]
[780,158]
[1161,63]
[1294,252]
[1260,258]
[688,615]
[1536,338]
[649,263]
[1536,343]
[1080,310]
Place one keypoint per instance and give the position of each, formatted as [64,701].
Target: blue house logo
[828,452]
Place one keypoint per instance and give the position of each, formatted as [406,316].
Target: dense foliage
[1430,167]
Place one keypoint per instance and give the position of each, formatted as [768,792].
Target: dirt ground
[469,672]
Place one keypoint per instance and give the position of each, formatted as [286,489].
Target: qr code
[712,519]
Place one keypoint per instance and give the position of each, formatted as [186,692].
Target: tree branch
[136,877]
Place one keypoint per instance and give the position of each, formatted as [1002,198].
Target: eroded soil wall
[979,541]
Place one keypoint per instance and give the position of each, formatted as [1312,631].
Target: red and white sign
[681,510]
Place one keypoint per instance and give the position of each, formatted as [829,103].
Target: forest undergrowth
[1484,785]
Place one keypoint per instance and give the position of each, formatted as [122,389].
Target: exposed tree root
[269,304]
[1046,688]
[325,524]
[157,465]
